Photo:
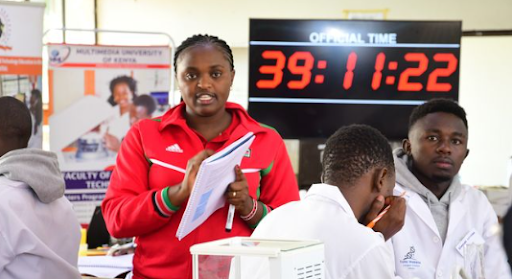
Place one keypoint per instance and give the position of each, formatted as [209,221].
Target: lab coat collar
[331,193]
[418,206]
[457,208]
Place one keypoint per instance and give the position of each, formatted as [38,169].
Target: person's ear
[232,76]
[406,146]
[467,153]
[379,179]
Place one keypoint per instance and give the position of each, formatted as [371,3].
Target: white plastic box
[250,258]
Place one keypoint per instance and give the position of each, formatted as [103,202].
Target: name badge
[472,237]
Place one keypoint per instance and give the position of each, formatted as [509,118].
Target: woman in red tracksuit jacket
[147,200]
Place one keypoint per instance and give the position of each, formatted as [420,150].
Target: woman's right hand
[179,194]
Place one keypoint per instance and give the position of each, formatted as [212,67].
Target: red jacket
[132,206]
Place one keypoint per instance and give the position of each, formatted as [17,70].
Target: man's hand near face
[393,221]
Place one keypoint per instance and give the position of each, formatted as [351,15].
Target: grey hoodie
[38,169]
[439,208]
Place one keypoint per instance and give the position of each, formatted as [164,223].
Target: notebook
[215,174]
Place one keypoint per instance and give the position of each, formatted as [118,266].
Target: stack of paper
[105,266]
[215,174]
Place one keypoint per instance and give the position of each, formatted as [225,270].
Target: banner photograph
[98,93]
[21,32]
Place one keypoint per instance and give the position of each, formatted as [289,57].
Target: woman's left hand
[238,193]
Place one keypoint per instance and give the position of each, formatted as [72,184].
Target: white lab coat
[352,251]
[37,240]
[418,248]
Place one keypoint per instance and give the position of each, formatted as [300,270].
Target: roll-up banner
[98,92]
[21,33]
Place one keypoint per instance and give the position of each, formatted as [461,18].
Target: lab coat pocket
[472,237]
[472,250]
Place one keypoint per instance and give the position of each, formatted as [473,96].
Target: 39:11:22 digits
[302,63]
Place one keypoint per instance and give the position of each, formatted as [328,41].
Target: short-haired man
[39,232]
[357,170]
[448,226]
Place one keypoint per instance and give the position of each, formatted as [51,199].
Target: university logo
[59,55]
[410,254]
[175,148]
[409,260]
[5,30]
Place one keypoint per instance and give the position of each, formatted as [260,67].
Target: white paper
[105,266]
[215,174]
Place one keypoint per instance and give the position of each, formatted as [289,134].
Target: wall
[240,88]
[486,94]
[229,19]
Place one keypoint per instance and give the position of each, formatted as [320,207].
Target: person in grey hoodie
[39,232]
[450,228]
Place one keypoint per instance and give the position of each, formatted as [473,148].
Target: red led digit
[432,84]
[304,70]
[403,82]
[379,66]
[276,70]
[351,65]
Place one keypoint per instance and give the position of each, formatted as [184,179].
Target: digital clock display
[309,77]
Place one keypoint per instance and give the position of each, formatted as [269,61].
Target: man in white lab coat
[449,228]
[357,174]
[39,232]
